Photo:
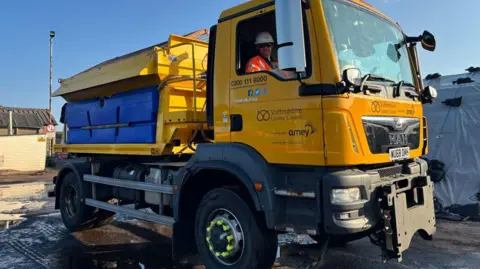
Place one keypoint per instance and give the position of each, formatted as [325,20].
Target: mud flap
[406,210]
[182,242]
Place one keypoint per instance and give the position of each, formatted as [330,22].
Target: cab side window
[256,47]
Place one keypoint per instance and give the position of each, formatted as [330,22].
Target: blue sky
[90,31]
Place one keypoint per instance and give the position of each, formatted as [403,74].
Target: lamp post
[52,35]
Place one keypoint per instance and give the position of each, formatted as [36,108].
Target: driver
[263,61]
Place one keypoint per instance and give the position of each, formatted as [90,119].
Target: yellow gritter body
[181,56]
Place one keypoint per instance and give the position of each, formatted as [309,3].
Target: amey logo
[307,130]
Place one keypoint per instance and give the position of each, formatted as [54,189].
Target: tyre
[229,235]
[76,215]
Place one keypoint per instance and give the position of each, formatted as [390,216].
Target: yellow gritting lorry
[328,144]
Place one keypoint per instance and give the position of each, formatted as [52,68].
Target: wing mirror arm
[426,39]
[428,43]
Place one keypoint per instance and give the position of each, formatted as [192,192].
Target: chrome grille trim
[380,130]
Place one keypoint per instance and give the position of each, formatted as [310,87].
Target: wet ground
[41,241]
[27,177]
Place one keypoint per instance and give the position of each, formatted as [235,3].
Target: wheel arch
[233,175]
[244,164]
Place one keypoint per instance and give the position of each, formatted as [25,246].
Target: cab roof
[254,4]
[243,7]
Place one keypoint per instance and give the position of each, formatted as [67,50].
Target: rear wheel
[228,234]
[76,215]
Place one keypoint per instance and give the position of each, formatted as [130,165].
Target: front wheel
[228,234]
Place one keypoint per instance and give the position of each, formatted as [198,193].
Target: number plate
[399,153]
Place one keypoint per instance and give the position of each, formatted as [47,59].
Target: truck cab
[339,119]
[306,112]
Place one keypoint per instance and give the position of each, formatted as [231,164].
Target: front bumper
[397,204]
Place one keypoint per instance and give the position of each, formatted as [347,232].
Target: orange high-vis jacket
[258,63]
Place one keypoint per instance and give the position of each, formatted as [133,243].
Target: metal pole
[52,35]
[10,122]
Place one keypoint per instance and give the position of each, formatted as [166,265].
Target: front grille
[390,171]
[384,133]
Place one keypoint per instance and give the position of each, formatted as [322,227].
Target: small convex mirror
[352,76]
[429,94]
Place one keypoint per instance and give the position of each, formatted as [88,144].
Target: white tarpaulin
[454,137]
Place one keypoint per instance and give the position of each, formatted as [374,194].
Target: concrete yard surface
[25,177]
[32,236]
[42,241]
[456,245]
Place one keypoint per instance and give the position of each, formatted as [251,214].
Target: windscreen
[366,41]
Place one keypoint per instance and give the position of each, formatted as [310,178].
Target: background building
[29,143]
[26,121]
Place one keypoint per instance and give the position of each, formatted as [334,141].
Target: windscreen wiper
[408,84]
[376,78]
[372,77]
[409,93]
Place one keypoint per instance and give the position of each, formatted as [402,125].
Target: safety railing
[194,77]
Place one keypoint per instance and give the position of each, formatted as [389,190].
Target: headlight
[342,196]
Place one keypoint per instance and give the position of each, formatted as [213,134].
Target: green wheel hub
[224,237]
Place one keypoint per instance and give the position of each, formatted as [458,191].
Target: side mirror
[352,76]
[429,94]
[290,35]
[428,41]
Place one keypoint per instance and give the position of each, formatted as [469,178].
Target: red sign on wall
[50,128]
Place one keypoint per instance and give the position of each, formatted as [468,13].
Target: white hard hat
[264,37]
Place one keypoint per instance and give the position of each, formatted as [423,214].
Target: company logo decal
[263,115]
[398,139]
[398,123]
[307,130]
[279,114]
[383,107]
[410,111]
[375,107]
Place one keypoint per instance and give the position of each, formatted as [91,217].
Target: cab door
[266,111]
